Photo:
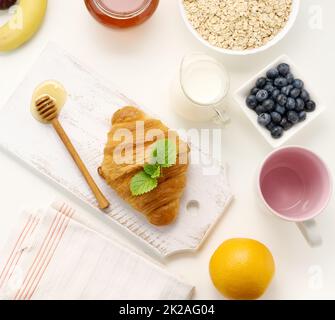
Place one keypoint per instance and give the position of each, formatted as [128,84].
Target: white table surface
[142,61]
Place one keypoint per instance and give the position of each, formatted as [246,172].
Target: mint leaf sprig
[153,170]
[164,155]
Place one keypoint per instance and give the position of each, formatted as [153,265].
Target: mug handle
[310,232]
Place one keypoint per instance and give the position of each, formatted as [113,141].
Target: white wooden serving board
[86,118]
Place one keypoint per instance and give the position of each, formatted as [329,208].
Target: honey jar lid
[123,7]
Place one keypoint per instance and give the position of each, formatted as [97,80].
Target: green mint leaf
[142,183]
[153,170]
[165,153]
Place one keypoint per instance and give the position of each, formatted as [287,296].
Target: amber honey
[121,13]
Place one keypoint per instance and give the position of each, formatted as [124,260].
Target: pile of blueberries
[280,100]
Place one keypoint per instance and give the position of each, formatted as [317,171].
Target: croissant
[161,205]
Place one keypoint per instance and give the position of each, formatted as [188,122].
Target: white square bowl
[242,93]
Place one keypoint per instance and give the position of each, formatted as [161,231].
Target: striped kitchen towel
[51,255]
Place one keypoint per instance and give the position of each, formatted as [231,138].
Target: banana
[26,20]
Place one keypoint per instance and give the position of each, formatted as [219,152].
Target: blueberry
[302,116]
[259,110]
[297,83]
[290,78]
[269,88]
[252,102]
[264,119]
[254,91]
[310,106]
[268,105]
[276,117]
[282,99]
[270,126]
[280,82]
[277,132]
[275,93]
[286,124]
[299,104]
[281,110]
[290,105]
[286,90]
[295,93]
[304,95]
[272,73]
[293,117]
[284,69]
[262,95]
[261,82]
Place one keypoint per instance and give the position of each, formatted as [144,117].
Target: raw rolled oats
[238,24]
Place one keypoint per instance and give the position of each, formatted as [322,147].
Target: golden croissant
[161,205]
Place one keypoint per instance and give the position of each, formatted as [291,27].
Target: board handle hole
[193,208]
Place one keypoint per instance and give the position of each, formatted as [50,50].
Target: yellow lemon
[242,269]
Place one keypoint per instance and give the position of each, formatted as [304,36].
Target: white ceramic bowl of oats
[239,27]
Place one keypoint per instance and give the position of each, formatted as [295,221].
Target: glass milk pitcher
[200,88]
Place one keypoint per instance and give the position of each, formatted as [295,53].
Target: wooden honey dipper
[47,110]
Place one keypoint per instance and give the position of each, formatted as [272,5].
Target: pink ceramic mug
[296,185]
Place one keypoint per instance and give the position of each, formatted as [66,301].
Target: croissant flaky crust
[161,205]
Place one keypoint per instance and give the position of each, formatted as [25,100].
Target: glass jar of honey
[121,13]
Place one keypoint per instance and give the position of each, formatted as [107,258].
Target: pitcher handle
[221,117]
